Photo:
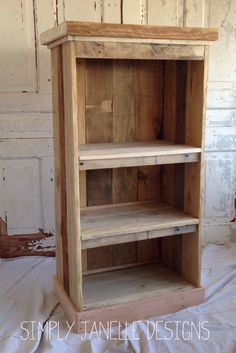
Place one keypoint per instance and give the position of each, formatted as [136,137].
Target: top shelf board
[131,154]
[78,30]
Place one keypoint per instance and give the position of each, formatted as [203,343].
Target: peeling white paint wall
[26,160]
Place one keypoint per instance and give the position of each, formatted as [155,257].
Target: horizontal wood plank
[127,238]
[115,155]
[138,51]
[132,221]
[128,285]
[168,302]
[91,29]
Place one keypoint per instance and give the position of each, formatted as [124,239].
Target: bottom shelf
[132,284]
[137,294]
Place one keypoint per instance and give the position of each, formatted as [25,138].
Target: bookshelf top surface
[128,31]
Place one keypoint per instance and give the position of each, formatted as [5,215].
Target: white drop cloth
[26,295]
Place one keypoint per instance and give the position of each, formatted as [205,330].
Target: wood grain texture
[149,110]
[140,309]
[102,156]
[90,29]
[98,126]
[184,254]
[97,222]
[72,173]
[124,180]
[138,51]
[127,312]
[62,264]
[81,91]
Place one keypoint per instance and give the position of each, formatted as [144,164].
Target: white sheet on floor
[27,303]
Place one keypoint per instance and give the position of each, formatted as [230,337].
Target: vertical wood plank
[166,13]
[124,129]
[99,123]
[194,13]
[72,173]
[19,71]
[194,173]
[174,128]
[46,18]
[81,91]
[131,11]
[80,10]
[59,169]
[149,111]
[111,11]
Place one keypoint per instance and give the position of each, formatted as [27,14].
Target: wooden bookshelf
[129,108]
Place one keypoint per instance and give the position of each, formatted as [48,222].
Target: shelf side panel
[59,168]
[72,173]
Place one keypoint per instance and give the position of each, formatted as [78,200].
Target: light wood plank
[128,285]
[145,249]
[133,149]
[127,312]
[91,29]
[81,91]
[116,155]
[72,173]
[59,168]
[138,51]
[140,217]
[193,197]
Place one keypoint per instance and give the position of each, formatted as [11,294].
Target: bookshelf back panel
[136,100]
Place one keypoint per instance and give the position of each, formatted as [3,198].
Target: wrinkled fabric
[32,321]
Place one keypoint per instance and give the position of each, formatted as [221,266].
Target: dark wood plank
[124,129]
[98,126]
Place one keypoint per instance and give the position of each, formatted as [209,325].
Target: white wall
[26,163]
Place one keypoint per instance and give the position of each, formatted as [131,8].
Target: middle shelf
[131,154]
[122,223]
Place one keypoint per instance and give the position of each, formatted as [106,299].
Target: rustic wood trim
[72,173]
[92,29]
[59,168]
[127,238]
[129,41]
[138,51]
[138,161]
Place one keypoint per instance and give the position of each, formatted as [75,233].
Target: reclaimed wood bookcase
[128,107]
